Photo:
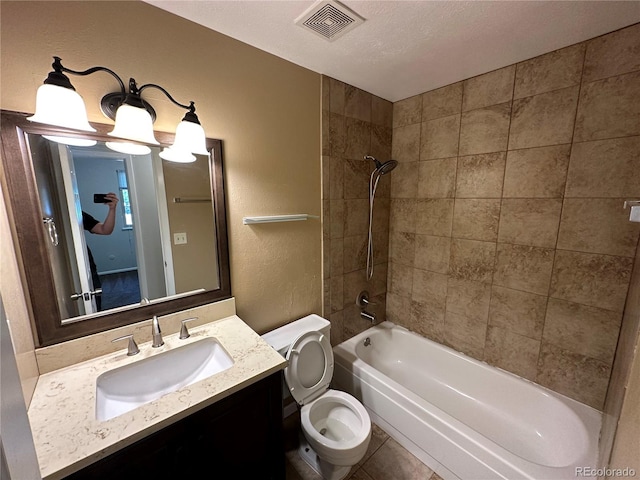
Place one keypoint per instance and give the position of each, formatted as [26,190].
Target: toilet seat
[310,367]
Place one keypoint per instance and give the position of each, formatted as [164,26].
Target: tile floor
[385,459]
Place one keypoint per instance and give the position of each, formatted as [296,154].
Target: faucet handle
[132,348]
[184,333]
[363,300]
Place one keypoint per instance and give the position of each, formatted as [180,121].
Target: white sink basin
[123,389]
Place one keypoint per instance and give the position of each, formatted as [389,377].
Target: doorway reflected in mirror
[163,240]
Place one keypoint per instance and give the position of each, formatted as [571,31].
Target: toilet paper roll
[635,214]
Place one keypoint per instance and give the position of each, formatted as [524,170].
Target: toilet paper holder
[631,203]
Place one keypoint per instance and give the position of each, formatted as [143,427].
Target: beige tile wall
[508,239]
[354,124]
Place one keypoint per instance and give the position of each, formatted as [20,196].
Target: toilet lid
[310,367]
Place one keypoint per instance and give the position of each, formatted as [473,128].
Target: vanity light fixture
[57,103]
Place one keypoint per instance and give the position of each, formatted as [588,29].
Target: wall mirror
[168,250]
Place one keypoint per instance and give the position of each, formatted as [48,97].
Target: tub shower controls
[362,300]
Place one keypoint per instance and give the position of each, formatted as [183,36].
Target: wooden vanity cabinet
[238,437]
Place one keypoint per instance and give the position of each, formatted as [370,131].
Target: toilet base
[326,470]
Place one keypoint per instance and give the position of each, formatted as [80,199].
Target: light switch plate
[180,238]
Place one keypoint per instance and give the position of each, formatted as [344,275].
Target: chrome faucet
[371,317]
[156,333]
[363,302]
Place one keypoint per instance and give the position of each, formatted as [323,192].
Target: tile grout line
[371,456]
[562,210]
[495,251]
[455,191]
[415,212]
[495,255]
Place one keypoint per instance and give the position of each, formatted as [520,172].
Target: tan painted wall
[266,111]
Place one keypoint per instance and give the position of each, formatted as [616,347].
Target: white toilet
[336,426]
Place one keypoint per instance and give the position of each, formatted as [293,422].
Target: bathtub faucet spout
[368,316]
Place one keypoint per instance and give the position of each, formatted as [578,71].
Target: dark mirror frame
[23,205]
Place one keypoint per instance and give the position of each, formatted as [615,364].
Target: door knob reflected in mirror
[86,295]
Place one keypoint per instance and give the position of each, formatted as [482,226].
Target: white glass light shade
[62,107]
[133,123]
[76,142]
[190,137]
[130,148]
[172,154]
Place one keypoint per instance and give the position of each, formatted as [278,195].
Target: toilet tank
[281,338]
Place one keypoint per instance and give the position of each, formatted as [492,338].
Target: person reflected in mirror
[100,228]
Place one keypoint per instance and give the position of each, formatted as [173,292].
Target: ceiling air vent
[329,19]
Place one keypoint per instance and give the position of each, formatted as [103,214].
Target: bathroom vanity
[229,424]
[237,437]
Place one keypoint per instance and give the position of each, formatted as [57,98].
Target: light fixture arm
[58,68]
[153,85]
[190,115]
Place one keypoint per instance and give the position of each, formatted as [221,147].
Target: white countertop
[66,433]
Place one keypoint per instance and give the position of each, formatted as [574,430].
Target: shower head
[386,167]
[382,168]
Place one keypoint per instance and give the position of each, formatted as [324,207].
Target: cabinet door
[238,443]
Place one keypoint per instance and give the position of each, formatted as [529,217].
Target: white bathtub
[462,417]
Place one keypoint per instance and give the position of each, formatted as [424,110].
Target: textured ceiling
[408,47]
